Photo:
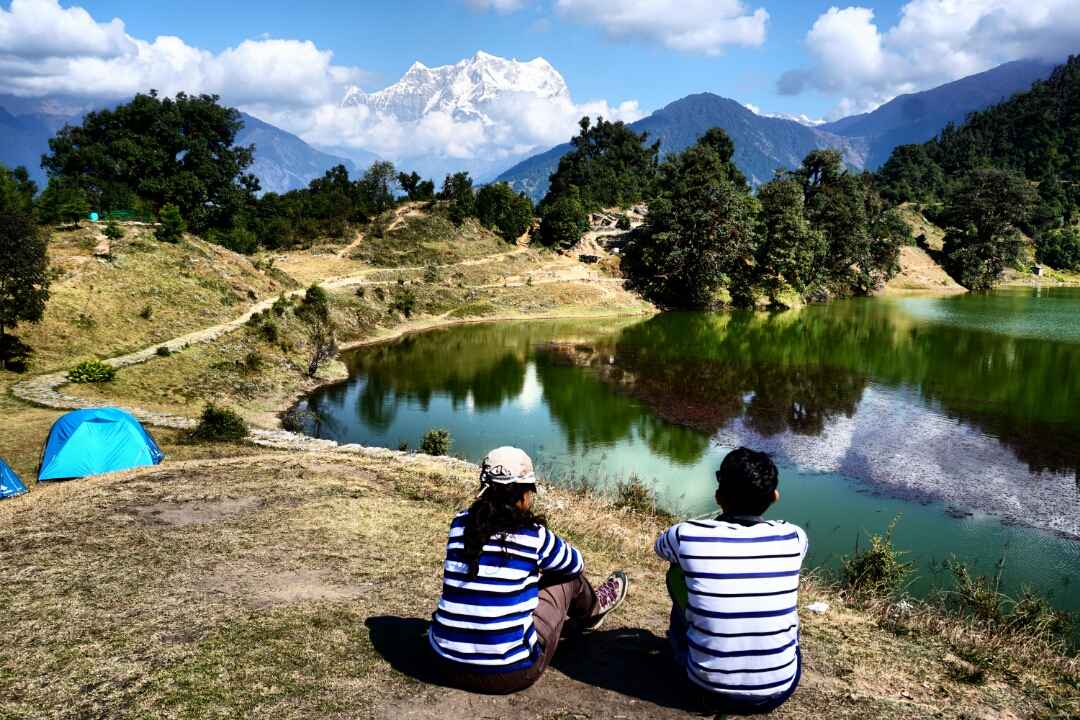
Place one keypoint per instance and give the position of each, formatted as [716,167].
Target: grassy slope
[292,586]
[296,586]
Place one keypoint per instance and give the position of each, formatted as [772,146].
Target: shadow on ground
[621,665]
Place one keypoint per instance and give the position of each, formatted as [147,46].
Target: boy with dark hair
[734,584]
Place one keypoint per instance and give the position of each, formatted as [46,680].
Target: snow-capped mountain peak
[464,90]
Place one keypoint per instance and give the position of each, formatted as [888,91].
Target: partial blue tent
[95,441]
[10,484]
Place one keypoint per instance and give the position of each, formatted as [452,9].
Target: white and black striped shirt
[486,621]
[742,617]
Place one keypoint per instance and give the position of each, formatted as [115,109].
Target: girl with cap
[510,584]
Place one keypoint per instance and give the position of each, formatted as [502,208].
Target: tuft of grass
[877,571]
[635,496]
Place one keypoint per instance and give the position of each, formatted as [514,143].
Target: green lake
[960,414]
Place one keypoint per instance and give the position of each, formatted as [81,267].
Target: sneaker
[609,596]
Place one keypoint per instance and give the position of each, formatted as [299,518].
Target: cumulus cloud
[46,49]
[695,26]
[49,50]
[935,41]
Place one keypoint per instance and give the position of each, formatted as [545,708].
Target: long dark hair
[495,514]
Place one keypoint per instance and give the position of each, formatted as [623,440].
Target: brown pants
[572,598]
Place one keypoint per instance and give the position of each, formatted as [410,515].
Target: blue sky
[384,38]
[290,63]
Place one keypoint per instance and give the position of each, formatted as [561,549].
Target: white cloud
[41,28]
[50,50]
[695,26]
[46,49]
[935,41]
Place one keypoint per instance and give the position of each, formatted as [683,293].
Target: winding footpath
[45,390]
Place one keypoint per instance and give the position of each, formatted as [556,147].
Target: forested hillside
[1033,138]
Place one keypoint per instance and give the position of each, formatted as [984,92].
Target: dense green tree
[17,188]
[416,187]
[171,225]
[982,225]
[24,278]
[1059,248]
[457,190]
[63,201]
[179,151]
[563,221]
[376,189]
[500,208]
[700,231]
[609,164]
[863,239]
[791,251]
[911,175]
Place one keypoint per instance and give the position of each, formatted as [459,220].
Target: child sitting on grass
[509,585]
[734,584]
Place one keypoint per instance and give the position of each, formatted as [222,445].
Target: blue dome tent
[95,441]
[10,484]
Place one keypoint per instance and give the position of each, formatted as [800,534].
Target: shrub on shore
[219,424]
[437,441]
[877,571]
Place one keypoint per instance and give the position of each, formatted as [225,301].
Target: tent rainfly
[95,441]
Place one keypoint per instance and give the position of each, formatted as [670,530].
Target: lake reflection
[919,400]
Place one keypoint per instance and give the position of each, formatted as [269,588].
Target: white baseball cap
[507,466]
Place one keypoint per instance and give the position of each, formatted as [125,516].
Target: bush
[219,424]
[91,371]
[623,223]
[171,225]
[1034,613]
[436,442]
[315,307]
[281,305]
[878,570]
[239,240]
[431,273]
[634,495]
[162,351]
[269,331]
[404,301]
[253,362]
[146,313]
[298,421]
[113,231]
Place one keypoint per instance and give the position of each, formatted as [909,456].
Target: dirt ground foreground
[299,586]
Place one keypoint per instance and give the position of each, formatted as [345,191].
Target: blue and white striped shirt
[742,618]
[487,621]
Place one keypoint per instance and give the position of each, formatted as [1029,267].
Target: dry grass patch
[297,586]
[98,308]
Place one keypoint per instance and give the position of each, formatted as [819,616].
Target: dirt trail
[44,390]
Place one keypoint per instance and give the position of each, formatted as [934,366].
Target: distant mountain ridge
[917,117]
[464,90]
[764,144]
[283,161]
